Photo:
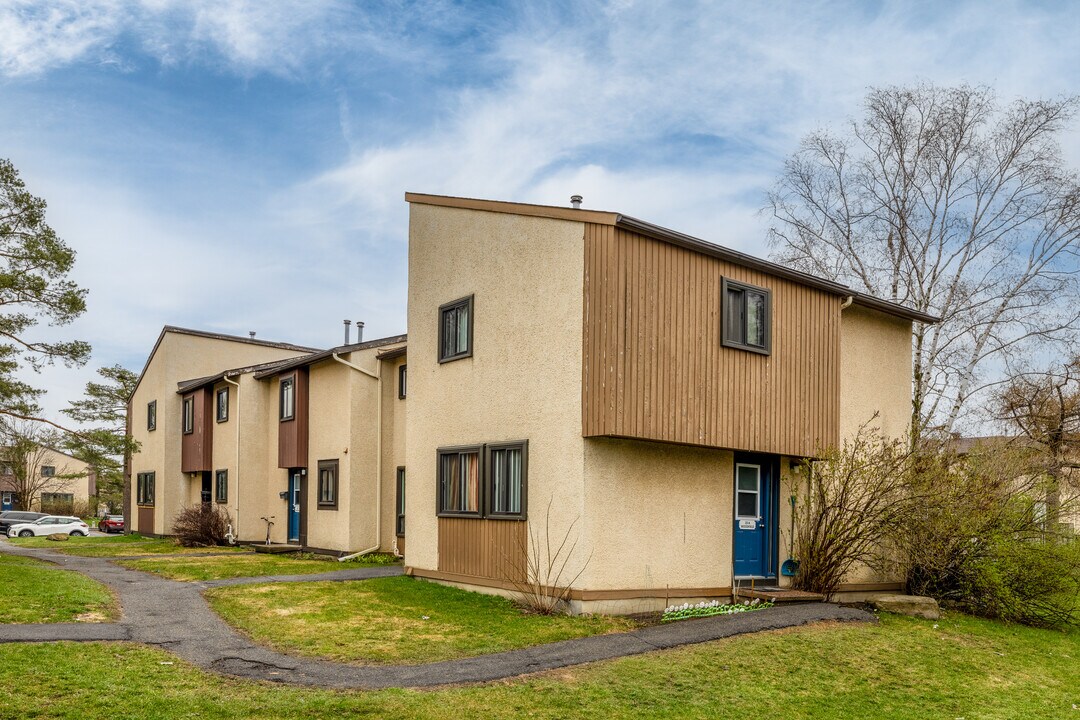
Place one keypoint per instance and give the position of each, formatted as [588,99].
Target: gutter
[378,453]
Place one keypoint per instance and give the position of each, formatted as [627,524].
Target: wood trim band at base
[575,594]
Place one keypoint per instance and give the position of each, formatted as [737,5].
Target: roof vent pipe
[348,323]
[359,331]
[251,334]
[575,200]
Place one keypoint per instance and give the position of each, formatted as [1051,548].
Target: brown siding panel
[293,434]
[146,520]
[197,447]
[483,548]
[654,367]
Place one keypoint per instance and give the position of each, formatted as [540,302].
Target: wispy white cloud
[679,113]
[246,36]
[755,78]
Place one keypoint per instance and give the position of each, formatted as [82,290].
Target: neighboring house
[1069,492]
[647,392]
[60,483]
[640,392]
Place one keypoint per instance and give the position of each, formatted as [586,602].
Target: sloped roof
[674,237]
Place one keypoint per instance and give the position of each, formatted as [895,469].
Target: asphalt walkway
[174,615]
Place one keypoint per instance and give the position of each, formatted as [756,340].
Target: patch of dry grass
[393,620]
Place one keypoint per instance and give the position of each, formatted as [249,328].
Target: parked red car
[111,523]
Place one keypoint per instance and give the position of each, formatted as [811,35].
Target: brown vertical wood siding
[654,367]
[146,520]
[197,447]
[293,434]
[483,548]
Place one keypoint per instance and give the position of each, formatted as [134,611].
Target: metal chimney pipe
[251,334]
[359,332]
[348,323]
[575,200]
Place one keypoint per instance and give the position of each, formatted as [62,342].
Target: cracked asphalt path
[174,615]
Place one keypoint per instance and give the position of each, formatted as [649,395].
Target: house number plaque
[748,524]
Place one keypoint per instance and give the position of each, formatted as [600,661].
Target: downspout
[236,531]
[378,453]
[847,302]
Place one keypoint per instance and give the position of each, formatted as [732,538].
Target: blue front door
[294,506]
[755,519]
[6,501]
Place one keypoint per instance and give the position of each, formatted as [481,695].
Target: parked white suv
[50,525]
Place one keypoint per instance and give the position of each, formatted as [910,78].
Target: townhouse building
[580,380]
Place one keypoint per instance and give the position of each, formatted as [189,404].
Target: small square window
[222,404]
[48,471]
[402,381]
[456,330]
[151,415]
[328,484]
[288,398]
[747,317]
[188,415]
[221,486]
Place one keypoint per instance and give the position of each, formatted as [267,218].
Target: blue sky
[240,165]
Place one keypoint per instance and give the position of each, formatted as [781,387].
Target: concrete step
[777,595]
[276,549]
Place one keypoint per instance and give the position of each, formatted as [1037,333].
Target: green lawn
[116,546]
[39,592]
[901,669]
[246,565]
[392,620]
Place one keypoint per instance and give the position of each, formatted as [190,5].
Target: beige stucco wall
[331,395]
[875,371]
[657,516]
[875,376]
[393,449]
[523,381]
[180,357]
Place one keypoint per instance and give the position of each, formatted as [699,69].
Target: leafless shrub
[201,526]
[543,586]
[855,498]
[980,540]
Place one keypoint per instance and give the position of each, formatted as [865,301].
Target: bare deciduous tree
[25,447]
[1045,408]
[944,201]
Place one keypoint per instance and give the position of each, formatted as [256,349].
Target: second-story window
[455,329]
[48,471]
[151,415]
[188,416]
[222,404]
[288,398]
[747,317]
